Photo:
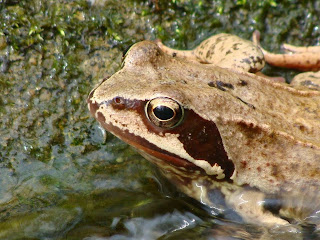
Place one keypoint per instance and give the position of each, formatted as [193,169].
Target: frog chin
[153,153]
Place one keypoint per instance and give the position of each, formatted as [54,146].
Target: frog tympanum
[214,127]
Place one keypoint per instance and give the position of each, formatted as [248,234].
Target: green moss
[49,180]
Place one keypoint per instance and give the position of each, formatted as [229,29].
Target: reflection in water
[142,206]
[114,213]
[143,228]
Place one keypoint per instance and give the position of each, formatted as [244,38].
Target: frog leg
[298,49]
[223,50]
[230,51]
[304,58]
[186,54]
[309,80]
[249,205]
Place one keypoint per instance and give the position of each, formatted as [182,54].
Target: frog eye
[164,112]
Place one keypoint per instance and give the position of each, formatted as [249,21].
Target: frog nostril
[118,103]
[117,100]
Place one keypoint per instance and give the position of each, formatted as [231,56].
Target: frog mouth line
[138,142]
[149,148]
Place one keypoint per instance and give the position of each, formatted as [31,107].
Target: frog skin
[303,58]
[218,131]
[223,50]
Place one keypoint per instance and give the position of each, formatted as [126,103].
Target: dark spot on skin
[205,43]
[235,46]
[174,54]
[219,39]
[260,60]
[312,76]
[228,52]
[221,49]
[185,82]
[208,54]
[248,104]
[242,83]
[309,83]
[301,127]
[221,88]
[212,55]
[212,48]
[211,84]
[243,164]
[252,62]
[249,129]
[222,85]
[246,60]
[253,70]
[259,169]
[274,170]
[255,61]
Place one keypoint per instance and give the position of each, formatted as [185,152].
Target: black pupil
[163,112]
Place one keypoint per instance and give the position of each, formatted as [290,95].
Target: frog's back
[274,134]
[286,110]
[269,130]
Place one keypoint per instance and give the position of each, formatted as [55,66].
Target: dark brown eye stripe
[200,138]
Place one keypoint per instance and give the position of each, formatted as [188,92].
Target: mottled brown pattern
[224,50]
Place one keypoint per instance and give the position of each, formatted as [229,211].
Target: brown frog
[214,128]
